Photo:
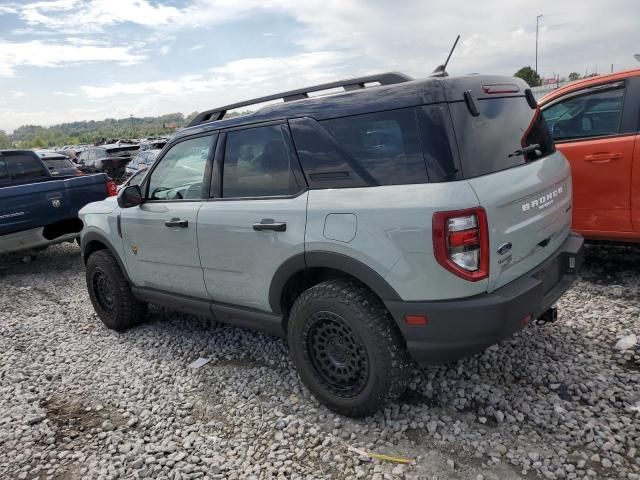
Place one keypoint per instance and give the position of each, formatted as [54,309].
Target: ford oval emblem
[504,248]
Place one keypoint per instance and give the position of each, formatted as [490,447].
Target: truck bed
[47,202]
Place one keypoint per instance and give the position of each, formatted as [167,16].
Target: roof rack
[388,78]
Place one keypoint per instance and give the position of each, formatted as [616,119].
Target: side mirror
[130,196]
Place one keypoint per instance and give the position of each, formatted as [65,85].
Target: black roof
[395,91]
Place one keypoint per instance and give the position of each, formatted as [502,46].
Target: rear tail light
[112,189]
[461,242]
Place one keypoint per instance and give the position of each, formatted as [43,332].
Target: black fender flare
[335,261]
[103,239]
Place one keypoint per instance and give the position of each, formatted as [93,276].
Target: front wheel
[110,293]
[347,349]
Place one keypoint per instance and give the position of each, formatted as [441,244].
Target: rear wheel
[347,349]
[110,293]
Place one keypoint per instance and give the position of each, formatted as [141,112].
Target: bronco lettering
[544,201]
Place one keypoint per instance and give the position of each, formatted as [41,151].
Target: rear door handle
[603,157]
[176,222]
[270,225]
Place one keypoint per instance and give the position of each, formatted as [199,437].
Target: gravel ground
[80,401]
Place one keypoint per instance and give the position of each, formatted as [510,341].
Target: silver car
[402,220]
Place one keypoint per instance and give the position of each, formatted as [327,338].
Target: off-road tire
[367,324]
[116,306]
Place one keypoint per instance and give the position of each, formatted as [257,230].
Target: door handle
[270,225]
[176,222]
[603,157]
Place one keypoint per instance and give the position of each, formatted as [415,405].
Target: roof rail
[388,78]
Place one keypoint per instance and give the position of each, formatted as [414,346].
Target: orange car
[595,124]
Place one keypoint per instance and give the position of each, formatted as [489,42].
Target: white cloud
[415,35]
[337,38]
[10,8]
[94,15]
[164,50]
[40,54]
[259,75]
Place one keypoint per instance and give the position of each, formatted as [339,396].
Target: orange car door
[635,187]
[590,129]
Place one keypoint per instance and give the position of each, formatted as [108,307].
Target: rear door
[589,129]
[159,236]
[256,220]
[635,187]
[508,157]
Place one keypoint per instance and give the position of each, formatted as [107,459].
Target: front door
[587,128]
[635,188]
[256,220]
[160,244]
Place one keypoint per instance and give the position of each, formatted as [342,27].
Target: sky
[69,60]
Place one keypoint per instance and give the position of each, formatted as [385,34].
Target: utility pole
[537,34]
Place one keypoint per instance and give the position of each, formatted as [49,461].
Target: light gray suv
[402,220]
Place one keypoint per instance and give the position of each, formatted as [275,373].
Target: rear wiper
[527,149]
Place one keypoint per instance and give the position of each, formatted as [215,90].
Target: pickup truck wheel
[347,349]
[110,293]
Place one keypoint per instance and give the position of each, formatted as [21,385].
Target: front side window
[136,178]
[386,145]
[257,164]
[594,114]
[180,173]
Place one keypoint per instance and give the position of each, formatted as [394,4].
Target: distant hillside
[32,136]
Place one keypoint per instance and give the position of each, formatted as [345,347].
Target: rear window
[122,151]
[493,140]
[58,163]
[21,166]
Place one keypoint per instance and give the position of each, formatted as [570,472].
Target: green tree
[529,75]
[38,143]
[5,141]
[573,76]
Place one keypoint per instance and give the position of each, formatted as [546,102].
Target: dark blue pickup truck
[38,209]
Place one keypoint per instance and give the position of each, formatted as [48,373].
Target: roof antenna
[441,70]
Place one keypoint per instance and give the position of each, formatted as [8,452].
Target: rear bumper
[30,239]
[457,328]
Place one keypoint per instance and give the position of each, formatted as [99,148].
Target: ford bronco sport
[400,219]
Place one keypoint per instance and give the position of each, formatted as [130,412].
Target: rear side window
[24,166]
[497,138]
[257,164]
[593,114]
[386,145]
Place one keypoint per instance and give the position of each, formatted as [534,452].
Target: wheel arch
[93,241]
[306,269]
